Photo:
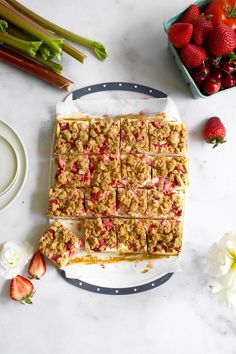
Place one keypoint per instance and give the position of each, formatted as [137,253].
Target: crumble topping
[73,171]
[104,136]
[164,237]
[134,135]
[71,136]
[167,205]
[135,170]
[132,202]
[66,202]
[131,235]
[59,244]
[100,235]
[105,170]
[100,202]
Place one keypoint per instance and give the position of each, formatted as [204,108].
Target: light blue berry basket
[184,72]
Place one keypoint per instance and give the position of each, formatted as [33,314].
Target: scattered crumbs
[23,202]
[145,270]
[102,265]
[150,265]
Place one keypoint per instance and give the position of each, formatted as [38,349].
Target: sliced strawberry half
[37,266]
[21,289]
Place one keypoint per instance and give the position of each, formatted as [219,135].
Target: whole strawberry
[191,14]
[201,29]
[180,34]
[214,131]
[222,40]
[192,55]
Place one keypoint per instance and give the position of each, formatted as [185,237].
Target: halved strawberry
[37,266]
[21,289]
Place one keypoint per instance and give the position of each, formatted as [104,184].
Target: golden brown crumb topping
[73,171]
[100,235]
[135,170]
[66,202]
[165,205]
[132,202]
[167,137]
[170,172]
[131,236]
[105,170]
[104,136]
[71,136]
[134,135]
[59,244]
[164,236]
[100,202]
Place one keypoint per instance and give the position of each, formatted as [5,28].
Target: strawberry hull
[196,93]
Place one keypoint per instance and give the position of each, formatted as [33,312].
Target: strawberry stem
[230,11]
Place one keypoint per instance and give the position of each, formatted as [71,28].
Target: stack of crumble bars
[126,178]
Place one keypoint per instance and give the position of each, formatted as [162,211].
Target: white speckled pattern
[180,317]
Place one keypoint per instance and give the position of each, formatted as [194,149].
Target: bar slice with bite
[164,237]
[131,234]
[59,244]
[66,202]
[100,202]
[100,235]
[132,202]
[72,171]
[72,136]
[104,137]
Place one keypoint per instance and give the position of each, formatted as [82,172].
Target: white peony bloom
[13,257]
[222,264]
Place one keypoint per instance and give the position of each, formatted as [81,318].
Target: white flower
[13,257]
[222,264]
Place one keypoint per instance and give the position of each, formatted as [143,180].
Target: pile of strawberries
[206,47]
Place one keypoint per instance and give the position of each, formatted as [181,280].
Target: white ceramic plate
[13,162]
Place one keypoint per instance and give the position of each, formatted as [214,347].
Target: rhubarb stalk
[37,70]
[30,48]
[97,47]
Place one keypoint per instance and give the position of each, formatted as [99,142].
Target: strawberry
[21,289]
[192,55]
[222,40]
[180,34]
[191,14]
[201,29]
[37,266]
[214,131]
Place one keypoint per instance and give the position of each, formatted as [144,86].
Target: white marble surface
[179,317]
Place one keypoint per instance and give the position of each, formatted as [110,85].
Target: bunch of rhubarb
[32,43]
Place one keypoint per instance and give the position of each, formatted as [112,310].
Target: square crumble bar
[105,170]
[100,235]
[135,170]
[104,137]
[165,205]
[164,237]
[134,134]
[131,202]
[167,137]
[59,244]
[131,235]
[100,202]
[66,202]
[72,136]
[170,173]
[72,171]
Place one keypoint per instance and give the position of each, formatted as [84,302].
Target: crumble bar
[100,235]
[104,137]
[167,137]
[72,136]
[73,171]
[66,202]
[132,202]
[165,205]
[135,170]
[100,202]
[59,244]
[134,134]
[170,172]
[164,237]
[131,234]
[105,170]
